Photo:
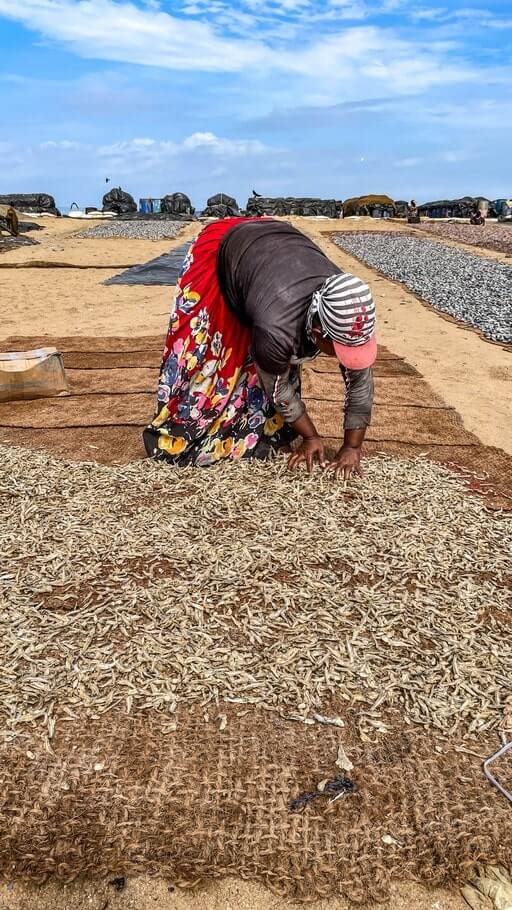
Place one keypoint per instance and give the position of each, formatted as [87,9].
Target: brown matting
[103,344]
[420,426]
[113,382]
[402,390]
[47,264]
[121,796]
[78,411]
[388,366]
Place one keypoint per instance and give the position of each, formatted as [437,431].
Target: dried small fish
[391,841]
[408,612]
[343,760]
[332,721]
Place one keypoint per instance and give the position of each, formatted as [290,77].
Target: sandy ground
[467,372]
[74,301]
[230,894]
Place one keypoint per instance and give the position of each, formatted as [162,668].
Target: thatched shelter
[374,206]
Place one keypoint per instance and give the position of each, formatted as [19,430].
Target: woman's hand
[310,449]
[347,462]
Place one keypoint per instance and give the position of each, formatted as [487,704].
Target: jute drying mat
[113,382]
[121,796]
[173,642]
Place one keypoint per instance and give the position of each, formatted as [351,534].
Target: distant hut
[372,206]
[176,204]
[221,206]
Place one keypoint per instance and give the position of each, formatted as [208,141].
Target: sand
[230,894]
[467,372]
[74,301]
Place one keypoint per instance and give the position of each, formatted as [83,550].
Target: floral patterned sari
[210,405]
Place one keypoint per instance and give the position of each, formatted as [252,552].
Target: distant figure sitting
[477,218]
[413,215]
[257,195]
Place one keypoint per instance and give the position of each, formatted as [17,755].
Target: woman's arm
[358,412]
[358,408]
[287,402]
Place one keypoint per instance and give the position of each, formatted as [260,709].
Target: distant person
[256,297]
[477,218]
[413,214]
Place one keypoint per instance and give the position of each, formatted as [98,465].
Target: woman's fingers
[309,455]
[343,471]
[294,460]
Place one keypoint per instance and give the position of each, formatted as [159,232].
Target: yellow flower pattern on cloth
[174,445]
[273,424]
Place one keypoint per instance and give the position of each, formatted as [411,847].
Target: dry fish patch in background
[466,286]
[147,587]
[491,236]
[137,229]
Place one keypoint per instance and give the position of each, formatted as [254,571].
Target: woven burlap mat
[121,796]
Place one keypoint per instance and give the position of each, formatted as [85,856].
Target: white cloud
[143,154]
[426,15]
[408,162]
[471,17]
[133,152]
[224,147]
[454,156]
[118,30]
[122,31]
[60,144]
[482,18]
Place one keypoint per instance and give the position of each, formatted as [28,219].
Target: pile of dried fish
[476,290]
[148,587]
[138,229]
[491,236]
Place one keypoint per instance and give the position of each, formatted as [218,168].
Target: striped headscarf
[345,308]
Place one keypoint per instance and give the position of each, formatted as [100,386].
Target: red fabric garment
[210,405]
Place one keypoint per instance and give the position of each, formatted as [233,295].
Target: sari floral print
[210,405]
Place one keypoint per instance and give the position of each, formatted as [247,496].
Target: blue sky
[289,97]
